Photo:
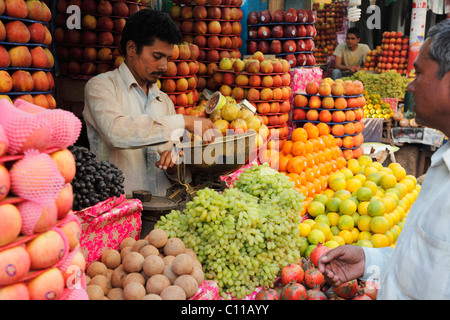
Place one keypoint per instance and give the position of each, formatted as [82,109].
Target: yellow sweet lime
[310,222]
[395,233]
[364,243]
[408,183]
[390,218]
[363,223]
[345,222]
[390,236]
[412,178]
[380,240]
[321,198]
[364,194]
[316,236]
[369,169]
[329,193]
[376,208]
[347,207]
[389,203]
[315,208]
[331,244]
[338,239]
[324,227]
[374,177]
[337,184]
[353,165]
[323,218]
[362,207]
[402,188]
[304,229]
[364,160]
[365,235]
[335,230]
[379,224]
[342,194]
[371,185]
[387,181]
[361,177]
[347,173]
[332,205]
[353,185]
[355,233]
[399,172]
[347,236]
[333,217]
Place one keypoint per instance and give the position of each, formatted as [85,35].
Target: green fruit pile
[244,236]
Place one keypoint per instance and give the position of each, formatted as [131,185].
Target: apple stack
[372,58]
[39,235]
[339,104]
[286,34]
[394,52]
[330,21]
[215,27]
[26,60]
[180,78]
[94,48]
[265,84]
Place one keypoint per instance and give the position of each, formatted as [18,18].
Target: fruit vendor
[350,55]
[130,122]
[418,267]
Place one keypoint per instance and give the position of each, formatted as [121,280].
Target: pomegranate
[315,294]
[331,294]
[293,291]
[292,272]
[267,294]
[313,277]
[370,289]
[307,264]
[347,290]
[361,296]
[317,252]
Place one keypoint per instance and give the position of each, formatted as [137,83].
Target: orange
[353,185]
[317,185]
[290,166]
[287,147]
[302,177]
[310,161]
[282,164]
[299,134]
[309,147]
[294,178]
[323,128]
[311,188]
[312,131]
[297,148]
[380,240]
[341,162]
[309,173]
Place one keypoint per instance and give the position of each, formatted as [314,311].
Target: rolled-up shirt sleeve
[376,262]
[121,128]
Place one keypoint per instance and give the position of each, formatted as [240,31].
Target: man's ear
[131,48]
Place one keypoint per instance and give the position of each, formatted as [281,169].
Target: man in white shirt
[130,122]
[349,56]
[418,267]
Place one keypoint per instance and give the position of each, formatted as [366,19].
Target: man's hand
[342,264]
[168,160]
[202,127]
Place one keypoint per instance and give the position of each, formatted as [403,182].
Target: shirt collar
[130,80]
[442,154]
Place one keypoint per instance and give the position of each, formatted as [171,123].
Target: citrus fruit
[304,229]
[399,172]
[308,250]
[363,223]
[371,185]
[387,181]
[380,240]
[369,170]
[347,173]
[376,208]
[364,194]
[333,217]
[364,160]
[353,165]
[347,207]
[310,222]
[337,184]
[345,222]
[355,233]
[362,207]
[331,244]
[315,208]
[324,227]
[361,177]
[332,204]
[323,218]
[321,198]
[338,239]
[374,177]
[365,235]
[335,230]
[379,224]
[364,243]
[347,236]
[342,194]
[316,236]
[353,184]
[389,203]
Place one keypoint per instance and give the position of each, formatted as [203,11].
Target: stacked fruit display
[330,21]
[180,79]
[371,61]
[365,204]
[376,107]
[156,267]
[338,104]
[288,34]
[39,236]
[215,27]
[308,158]
[241,236]
[93,47]
[394,53]
[304,281]
[26,60]
[264,83]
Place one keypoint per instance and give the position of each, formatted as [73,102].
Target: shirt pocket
[424,265]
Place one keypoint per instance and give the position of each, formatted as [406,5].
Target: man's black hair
[146,25]
[354,31]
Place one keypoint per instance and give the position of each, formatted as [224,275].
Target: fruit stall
[292,174]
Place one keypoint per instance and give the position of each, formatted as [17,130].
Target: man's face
[431,95]
[352,41]
[151,63]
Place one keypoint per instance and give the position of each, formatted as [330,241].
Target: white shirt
[419,266]
[122,121]
[352,58]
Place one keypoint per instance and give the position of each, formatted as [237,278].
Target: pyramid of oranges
[365,204]
[307,158]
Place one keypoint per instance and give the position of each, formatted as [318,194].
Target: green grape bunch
[245,235]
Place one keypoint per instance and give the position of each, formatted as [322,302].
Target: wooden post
[276,5]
